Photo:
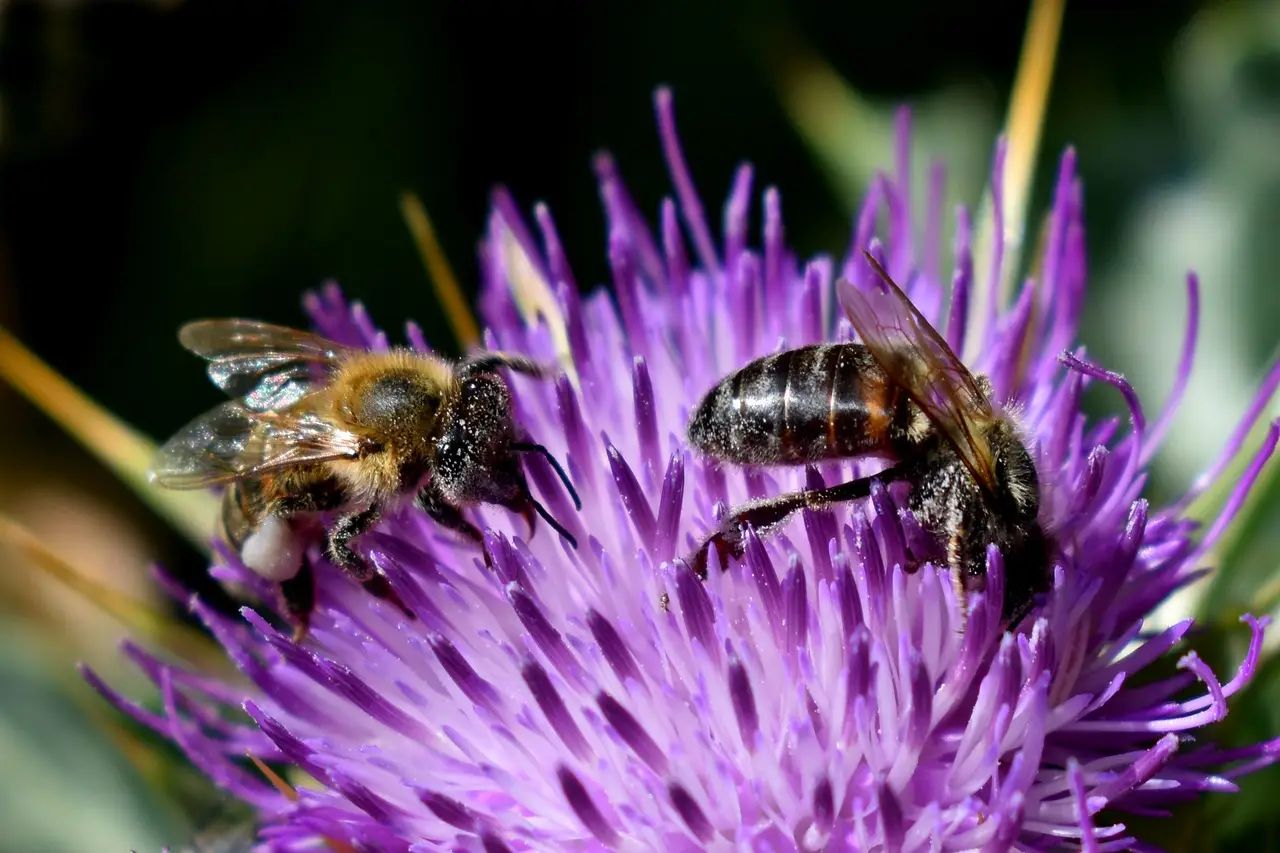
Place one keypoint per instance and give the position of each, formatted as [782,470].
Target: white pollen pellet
[273,550]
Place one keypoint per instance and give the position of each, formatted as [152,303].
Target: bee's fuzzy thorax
[402,441]
[362,367]
[376,478]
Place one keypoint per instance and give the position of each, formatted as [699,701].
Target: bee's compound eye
[273,551]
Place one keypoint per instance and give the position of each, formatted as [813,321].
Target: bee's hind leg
[767,513]
[348,527]
[447,515]
[760,515]
[298,597]
[489,362]
[379,587]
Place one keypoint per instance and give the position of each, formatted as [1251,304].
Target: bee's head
[1017,485]
[1017,491]
[1028,570]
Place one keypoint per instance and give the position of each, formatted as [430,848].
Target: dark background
[164,161]
[161,161]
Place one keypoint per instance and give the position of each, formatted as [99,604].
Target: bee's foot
[298,599]
[379,587]
[727,543]
[355,566]
[530,517]
[345,529]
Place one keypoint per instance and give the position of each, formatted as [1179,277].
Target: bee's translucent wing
[267,367]
[231,442]
[218,339]
[916,357]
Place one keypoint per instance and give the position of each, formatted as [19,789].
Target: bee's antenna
[555,525]
[529,447]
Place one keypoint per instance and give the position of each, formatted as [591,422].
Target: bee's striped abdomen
[815,403]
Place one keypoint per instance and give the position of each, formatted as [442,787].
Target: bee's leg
[767,513]
[298,596]
[379,587]
[489,362]
[1016,612]
[761,515]
[528,508]
[323,495]
[447,515]
[346,528]
[524,509]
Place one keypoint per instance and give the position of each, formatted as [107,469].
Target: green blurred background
[161,161]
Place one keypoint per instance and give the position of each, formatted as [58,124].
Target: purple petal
[632,733]
[691,813]
[553,708]
[744,703]
[584,807]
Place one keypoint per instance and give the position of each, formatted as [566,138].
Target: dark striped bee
[316,427]
[901,394]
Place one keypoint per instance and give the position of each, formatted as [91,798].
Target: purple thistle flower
[816,695]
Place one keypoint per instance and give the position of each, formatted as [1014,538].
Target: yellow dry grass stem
[534,297]
[291,794]
[141,618]
[127,452]
[535,300]
[1022,130]
[445,284]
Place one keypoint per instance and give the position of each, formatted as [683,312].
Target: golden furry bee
[902,394]
[316,427]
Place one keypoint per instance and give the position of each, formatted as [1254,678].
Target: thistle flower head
[825,692]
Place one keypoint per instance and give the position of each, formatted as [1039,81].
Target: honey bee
[315,427]
[901,394]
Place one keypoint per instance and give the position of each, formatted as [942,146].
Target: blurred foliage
[66,785]
[166,160]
